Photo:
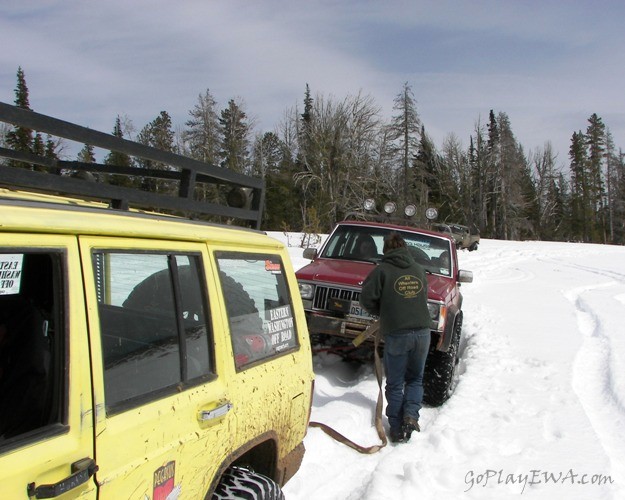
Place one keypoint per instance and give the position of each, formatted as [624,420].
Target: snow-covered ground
[539,411]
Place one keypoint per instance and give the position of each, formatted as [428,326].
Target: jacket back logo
[408,286]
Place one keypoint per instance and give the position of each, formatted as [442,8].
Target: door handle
[220,411]
[82,470]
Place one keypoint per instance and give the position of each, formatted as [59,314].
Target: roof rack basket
[244,199]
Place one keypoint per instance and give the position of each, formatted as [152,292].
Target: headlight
[306,291]
[438,316]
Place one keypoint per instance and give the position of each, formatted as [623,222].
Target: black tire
[441,370]
[243,483]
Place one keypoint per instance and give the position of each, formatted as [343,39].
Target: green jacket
[397,291]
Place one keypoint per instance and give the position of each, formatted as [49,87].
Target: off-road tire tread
[243,483]
[439,377]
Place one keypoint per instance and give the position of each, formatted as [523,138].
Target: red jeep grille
[324,293]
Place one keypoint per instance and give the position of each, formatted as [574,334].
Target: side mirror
[465,276]
[310,253]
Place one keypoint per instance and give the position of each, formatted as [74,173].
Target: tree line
[327,155]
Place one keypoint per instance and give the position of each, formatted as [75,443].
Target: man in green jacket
[396,291]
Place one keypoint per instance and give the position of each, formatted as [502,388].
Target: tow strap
[372,329]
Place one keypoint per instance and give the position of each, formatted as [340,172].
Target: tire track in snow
[593,382]
[616,276]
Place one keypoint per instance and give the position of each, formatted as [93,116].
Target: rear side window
[259,307]
[154,326]
[32,343]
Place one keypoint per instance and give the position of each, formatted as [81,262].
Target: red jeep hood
[344,272]
[438,286]
[353,273]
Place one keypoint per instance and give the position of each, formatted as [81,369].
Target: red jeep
[330,288]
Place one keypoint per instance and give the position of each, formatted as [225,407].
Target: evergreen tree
[161,133]
[561,214]
[425,183]
[405,127]
[512,176]
[304,130]
[478,162]
[619,198]
[595,142]
[308,108]
[203,136]
[611,162]
[273,162]
[502,177]
[266,154]
[491,181]
[86,154]
[203,133]
[158,134]
[579,199]
[38,146]
[50,152]
[454,182]
[234,150]
[21,139]
[118,159]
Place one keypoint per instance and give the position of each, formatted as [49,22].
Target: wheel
[441,371]
[241,482]
[473,247]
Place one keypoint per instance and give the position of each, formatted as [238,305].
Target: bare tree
[339,154]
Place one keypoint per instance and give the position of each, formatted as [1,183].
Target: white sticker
[10,273]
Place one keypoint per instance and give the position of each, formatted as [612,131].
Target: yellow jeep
[143,355]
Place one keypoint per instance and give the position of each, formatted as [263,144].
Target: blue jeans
[405,353]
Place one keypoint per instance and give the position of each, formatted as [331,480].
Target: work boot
[398,435]
[410,425]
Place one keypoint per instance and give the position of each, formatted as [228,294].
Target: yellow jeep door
[163,419]
[46,418]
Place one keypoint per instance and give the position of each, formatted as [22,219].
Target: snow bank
[540,408]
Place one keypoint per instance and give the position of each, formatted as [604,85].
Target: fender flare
[454,314]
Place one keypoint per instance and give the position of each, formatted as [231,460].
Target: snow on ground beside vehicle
[539,411]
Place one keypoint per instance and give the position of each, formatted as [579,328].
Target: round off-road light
[431,213]
[410,210]
[390,207]
[369,204]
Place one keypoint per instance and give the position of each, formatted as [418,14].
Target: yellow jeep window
[31,343]
[153,324]
[258,304]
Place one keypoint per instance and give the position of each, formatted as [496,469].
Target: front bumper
[348,328]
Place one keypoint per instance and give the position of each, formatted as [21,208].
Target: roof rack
[246,196]
[387,219]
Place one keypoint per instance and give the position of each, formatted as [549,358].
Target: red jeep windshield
[365,243]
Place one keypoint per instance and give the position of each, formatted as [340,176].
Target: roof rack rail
[244,201]
[385,218]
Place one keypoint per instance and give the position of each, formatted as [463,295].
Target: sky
[547,64]
[539,409]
